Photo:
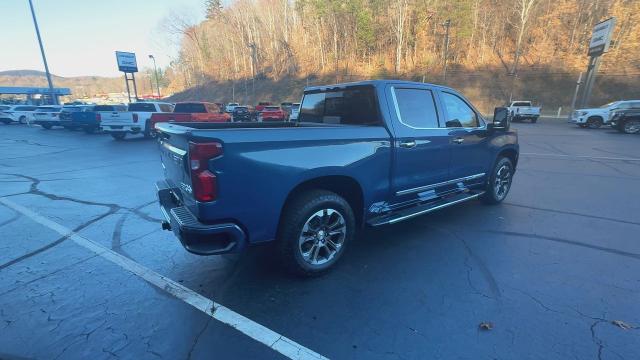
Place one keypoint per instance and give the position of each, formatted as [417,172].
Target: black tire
[492,194]
[119,135]
[630,126]
[148,132]
[89,129]
[594,122]
[6,122]
[302,210]
[47,126]
[534,120]
[22,120]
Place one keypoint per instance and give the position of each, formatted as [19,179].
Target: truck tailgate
[175,163]
[116,118]
[528,110]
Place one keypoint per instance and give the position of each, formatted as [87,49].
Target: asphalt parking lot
[552,273]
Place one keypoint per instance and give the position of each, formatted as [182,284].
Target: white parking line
[270,338]
[581,156]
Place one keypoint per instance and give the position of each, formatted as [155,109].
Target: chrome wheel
[322,236]
[502,181]
[632,127]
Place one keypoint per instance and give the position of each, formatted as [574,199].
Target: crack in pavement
[113,208]
[29,142]
[484,270]
[566,241]
[56,242]
[197,338]
[94,167]
[15,217]
[572,213]
[35,155]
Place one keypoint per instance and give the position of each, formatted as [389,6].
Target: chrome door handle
[458,140]
[408,144]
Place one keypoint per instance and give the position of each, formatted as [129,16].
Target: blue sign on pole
[126,62]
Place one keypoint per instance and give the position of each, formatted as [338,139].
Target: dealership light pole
[156,71]
[54,99]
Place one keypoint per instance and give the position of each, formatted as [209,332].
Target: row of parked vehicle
[623,116]
[119,120]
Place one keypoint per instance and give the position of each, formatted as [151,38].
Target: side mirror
[501,119]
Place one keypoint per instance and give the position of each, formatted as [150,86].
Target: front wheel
[314,229]
[594,122]
[119,135]
[631,127]
[499,182]
[47,126]
[534,120]
[22,120]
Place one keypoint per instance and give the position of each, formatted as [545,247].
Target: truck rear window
[351,106]
[522,103]
[142,107]
[190,108]
[108,108]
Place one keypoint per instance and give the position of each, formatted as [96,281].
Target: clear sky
[81,36]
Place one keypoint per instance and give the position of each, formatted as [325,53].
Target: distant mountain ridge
[80,85]
[25,73]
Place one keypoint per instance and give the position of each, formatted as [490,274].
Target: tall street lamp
[54,99]
[156,71]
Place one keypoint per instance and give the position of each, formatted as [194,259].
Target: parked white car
[230,107]
[16,113]
[133,121]
[47,116]
[295,112]
[596,117]
[523,110]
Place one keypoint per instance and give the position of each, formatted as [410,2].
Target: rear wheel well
[345,186]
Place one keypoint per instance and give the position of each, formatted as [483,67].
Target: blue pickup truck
[361,154]
[87,118]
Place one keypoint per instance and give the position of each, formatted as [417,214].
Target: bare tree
[399,17]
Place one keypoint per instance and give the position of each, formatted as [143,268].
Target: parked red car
[272,113]
[262,105]
[191,112]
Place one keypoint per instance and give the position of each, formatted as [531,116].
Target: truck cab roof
[374,83]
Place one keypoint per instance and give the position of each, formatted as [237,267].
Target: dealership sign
[126,62]
[601,37]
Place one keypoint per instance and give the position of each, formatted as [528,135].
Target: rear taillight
[98,117]
[203,181]
[135,118]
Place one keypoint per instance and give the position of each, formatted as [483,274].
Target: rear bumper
[122,128]
[197,237]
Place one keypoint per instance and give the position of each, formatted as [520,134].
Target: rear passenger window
[355,105]
[166,108]
[416,108]
[142,107]
[459,114]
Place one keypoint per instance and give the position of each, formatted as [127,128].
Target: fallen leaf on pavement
[622,325]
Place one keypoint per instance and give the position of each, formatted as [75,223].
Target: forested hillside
[330,40]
